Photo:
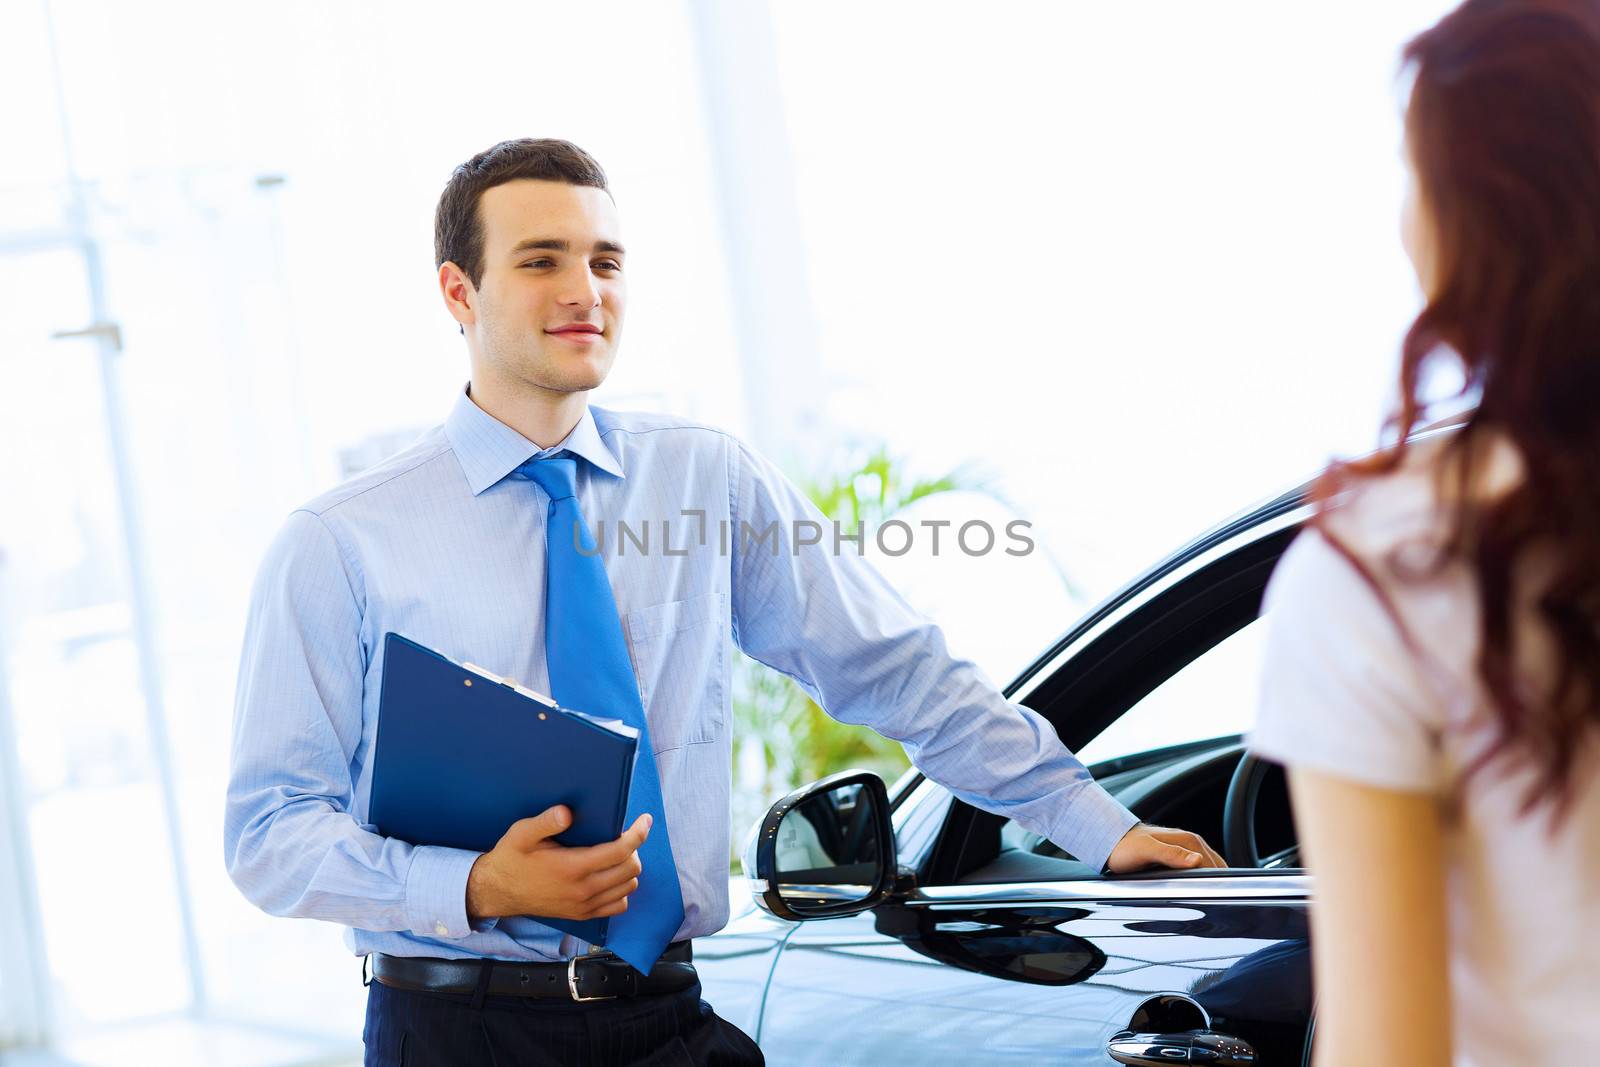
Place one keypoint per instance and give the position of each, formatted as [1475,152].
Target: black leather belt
[599,976]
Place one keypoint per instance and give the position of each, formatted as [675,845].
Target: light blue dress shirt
[440,545]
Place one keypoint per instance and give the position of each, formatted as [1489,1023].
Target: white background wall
[1139,260]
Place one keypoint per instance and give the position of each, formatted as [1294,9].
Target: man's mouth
[577,332]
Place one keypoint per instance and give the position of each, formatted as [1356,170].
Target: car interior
[1187,790]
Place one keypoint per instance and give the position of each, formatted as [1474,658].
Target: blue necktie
[590,671]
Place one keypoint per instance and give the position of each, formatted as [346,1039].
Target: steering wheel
[1239,818]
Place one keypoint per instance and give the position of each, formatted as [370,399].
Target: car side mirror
[825,850]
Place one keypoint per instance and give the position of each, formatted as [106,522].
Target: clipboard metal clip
[511,683]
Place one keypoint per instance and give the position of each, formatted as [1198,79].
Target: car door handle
[1190,1046]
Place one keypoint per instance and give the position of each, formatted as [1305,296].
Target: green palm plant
[782,739]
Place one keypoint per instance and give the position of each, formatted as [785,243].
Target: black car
[972,941]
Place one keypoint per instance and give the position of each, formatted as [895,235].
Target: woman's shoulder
[1412,508]
[1384,544]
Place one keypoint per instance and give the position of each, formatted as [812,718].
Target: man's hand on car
[1160,846]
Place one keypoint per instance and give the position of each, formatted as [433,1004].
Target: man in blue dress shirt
[446,544]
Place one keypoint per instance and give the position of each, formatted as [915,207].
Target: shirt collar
[489,449]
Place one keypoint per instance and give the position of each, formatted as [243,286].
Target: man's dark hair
[457,228]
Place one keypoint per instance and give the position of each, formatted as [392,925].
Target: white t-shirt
[1341,693]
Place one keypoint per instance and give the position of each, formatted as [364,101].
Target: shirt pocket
[679,651]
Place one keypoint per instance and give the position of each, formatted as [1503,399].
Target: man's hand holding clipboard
[527,873]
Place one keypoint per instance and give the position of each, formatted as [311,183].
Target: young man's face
[548,312]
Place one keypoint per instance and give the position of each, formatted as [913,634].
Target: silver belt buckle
[572,977]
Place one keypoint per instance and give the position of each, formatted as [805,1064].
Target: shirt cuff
[436,892]
[1093,825]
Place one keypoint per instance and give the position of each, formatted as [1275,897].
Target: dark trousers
[409,1029]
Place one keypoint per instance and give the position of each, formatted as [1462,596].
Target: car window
[1213,696]
[917,821]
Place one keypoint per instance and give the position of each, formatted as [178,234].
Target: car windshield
[1213,696]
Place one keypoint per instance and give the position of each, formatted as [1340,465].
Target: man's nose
[579,288]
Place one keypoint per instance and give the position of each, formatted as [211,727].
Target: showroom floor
[183,1043]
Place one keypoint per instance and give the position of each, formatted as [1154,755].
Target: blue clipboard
[462,754]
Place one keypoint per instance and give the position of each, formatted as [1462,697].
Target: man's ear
[460,298]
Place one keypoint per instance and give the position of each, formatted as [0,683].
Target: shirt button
[441,929]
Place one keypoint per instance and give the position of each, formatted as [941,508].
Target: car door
[1004,949]
[1042,973]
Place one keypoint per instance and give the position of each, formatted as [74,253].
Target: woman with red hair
[1432,674]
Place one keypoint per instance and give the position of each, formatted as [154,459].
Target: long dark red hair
[1503,128]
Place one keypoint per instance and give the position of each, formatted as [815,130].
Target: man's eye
[540,263]
[608,264]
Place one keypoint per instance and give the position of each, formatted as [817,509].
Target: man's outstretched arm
[831,622]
